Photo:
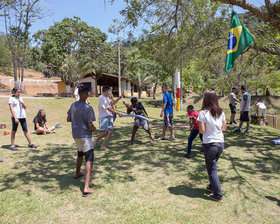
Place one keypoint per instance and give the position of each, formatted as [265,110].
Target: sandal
[88,193]
[32,146]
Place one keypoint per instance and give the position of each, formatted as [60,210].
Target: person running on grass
[244,110]
[193,115]
[40,124]
[17,108]
[167,114]
[106,123]
[138,109]
[212,124]
[81,115]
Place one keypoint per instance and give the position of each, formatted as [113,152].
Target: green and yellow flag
[238,40]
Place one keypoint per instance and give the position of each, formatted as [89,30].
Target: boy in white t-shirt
[17,108]
[106,122]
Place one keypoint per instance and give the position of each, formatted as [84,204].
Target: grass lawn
[149,182]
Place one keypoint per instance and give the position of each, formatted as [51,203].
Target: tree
[18,18]
[5,56]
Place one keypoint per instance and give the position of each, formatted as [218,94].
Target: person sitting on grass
[138,109]
[40,124]
[193,115]
[17,108]
[81,115]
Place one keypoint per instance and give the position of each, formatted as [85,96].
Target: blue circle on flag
[232,41]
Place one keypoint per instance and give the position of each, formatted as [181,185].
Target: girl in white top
[212,124]
[17,108]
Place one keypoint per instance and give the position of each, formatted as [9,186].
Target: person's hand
[120,115]
[161,114]
[120,97]
[94,129]
[16,121]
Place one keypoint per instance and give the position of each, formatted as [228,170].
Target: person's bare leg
[78,167]
[13,137]
[88,174]
[150,134]
[163,132]
[106,140]
[101,135]
[134,130]
[27,137]
[232,118]
[172,137]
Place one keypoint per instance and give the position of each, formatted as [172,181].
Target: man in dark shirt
[138,109]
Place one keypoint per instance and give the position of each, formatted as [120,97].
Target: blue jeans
[212,152]
[191,137]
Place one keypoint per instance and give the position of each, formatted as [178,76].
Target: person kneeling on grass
[81,115]
[40,124]
[193,115]
[138,109]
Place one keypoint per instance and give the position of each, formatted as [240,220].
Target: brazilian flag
[238,40]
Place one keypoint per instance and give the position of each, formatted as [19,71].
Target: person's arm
[22,103]
[46,126]
[224,125]
[192,124]
[201,128]
[37,125]
[91,126]
[129,108]
[163,108]
[236,100]
[116,101]
[113,111]
[68,118]
[13,112]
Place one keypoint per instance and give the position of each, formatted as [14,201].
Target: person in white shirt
[261,112]
[17,108]
[212,124]
[106,123]
[244,110]
[232,104]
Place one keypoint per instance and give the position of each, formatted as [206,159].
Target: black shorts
[167,120]
[232,108]
[89,155]
[22,122]
[245,116]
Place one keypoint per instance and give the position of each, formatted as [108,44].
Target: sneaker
[237,131]
[230,122]
[188,155]
[246,133]
[13,148]
[209,189]
[234,122]
[213,197]
[32,146]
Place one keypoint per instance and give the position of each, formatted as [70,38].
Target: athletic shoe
[234,122]
[13,148]
[246,133]
[32,146]
[230,122]
[237,131]
[209,189]
[188,155]
[212,196]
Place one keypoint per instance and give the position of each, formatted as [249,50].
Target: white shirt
[213,127]
[261,106]
[76,94]
[103,105]
[246,96]
[18,108]
[231,98]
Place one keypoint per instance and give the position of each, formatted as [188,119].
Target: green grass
[149,182]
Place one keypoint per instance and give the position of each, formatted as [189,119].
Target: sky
[97,13]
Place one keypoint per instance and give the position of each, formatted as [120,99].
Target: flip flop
[79,175]
[87,193]
[160,138]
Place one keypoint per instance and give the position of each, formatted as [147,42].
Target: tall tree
[18,18]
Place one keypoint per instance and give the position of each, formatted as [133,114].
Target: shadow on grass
[188,191]
[273,199]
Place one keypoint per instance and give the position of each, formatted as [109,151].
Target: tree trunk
[132,90]
[139,93]
[267,92]
[155,91]
[174,84]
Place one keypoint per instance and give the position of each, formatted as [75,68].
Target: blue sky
[95,12]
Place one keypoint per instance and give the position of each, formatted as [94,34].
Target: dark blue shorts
[232,109]
[245,116]
[22,122]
